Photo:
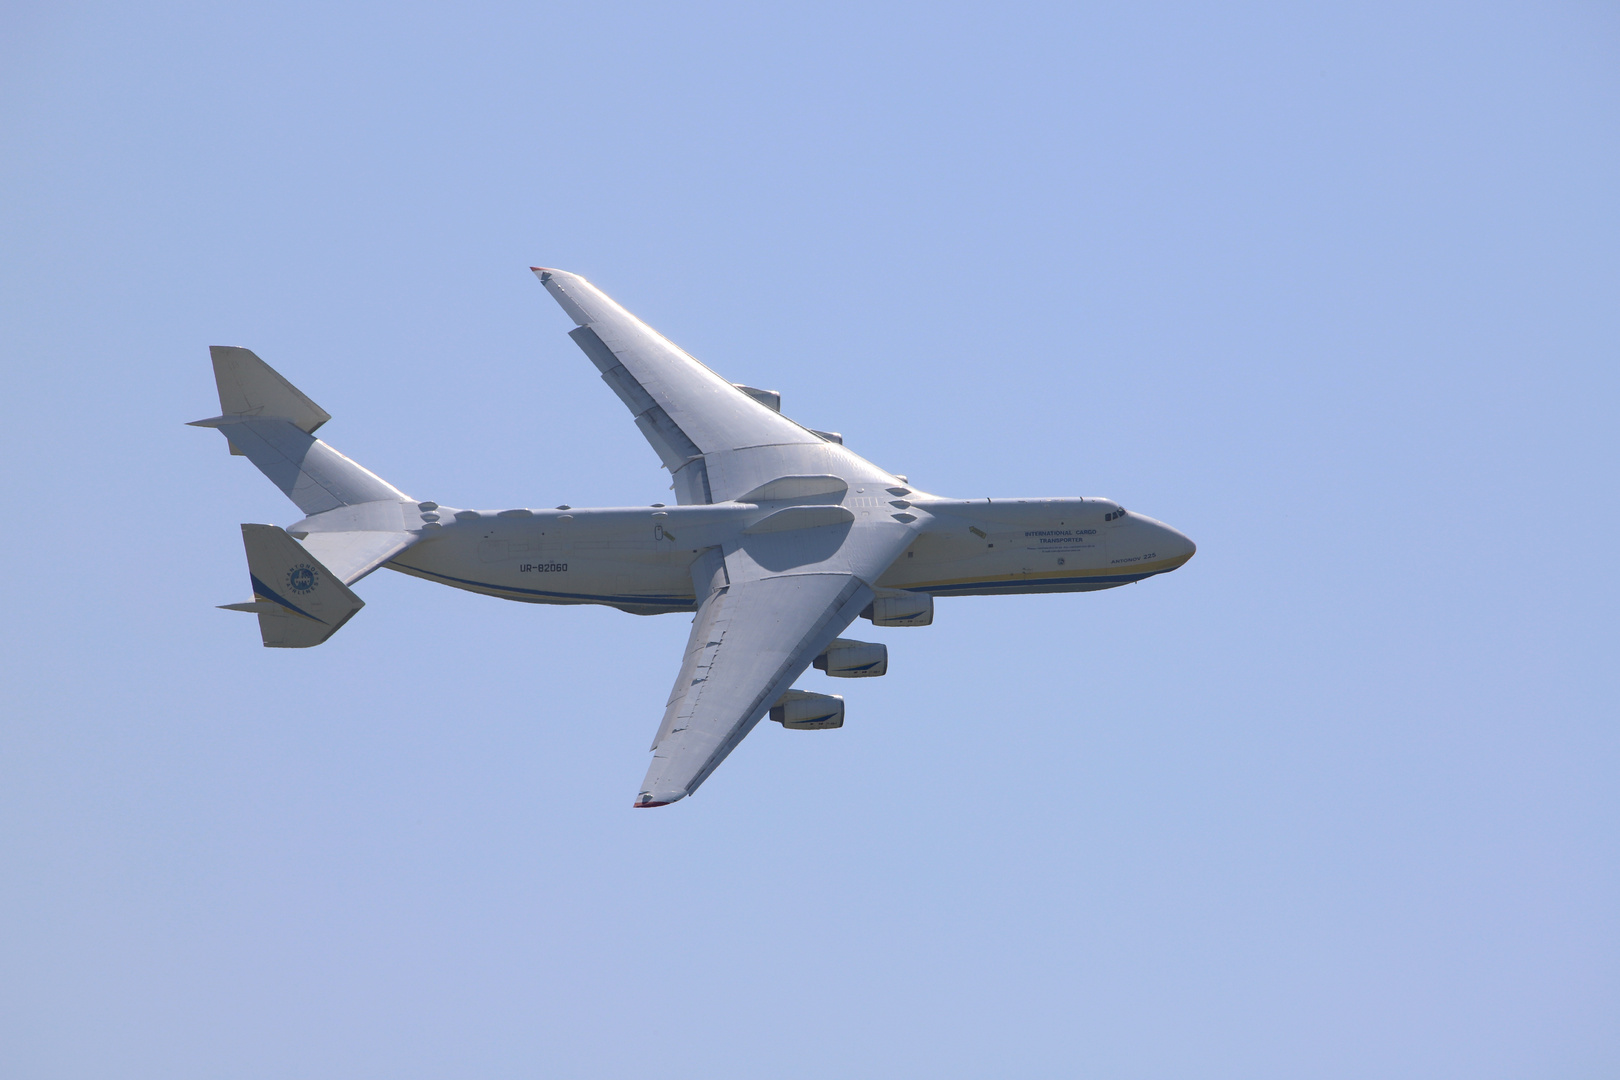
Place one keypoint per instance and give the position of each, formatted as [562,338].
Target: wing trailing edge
[749,642]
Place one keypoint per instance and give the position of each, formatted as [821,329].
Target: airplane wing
[777,593]
[684,409]
[750,640]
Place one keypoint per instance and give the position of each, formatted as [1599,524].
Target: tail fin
[250,387]
[269,420]
[298,600]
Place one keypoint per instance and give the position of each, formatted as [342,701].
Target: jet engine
[901,609]
[846,659]
[804,711]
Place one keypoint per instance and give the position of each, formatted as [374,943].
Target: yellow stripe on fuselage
[1157,566]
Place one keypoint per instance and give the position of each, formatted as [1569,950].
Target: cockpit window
[1114,514]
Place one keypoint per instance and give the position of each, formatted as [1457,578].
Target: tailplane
[269,421]
[299,601]
[354,520]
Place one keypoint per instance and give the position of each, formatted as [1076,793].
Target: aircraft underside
[628,559]
[781,539]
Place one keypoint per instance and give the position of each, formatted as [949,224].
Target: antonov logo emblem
[302,578]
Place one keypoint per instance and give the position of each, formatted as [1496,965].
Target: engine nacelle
[901,609]
[804,711]
[846,659]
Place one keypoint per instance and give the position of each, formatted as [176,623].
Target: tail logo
[302,579]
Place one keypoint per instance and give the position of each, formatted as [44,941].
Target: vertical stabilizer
[250,387]
[298,600]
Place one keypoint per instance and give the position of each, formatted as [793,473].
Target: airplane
[780,538]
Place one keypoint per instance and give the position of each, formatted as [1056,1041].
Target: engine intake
[846,659]
[804,711]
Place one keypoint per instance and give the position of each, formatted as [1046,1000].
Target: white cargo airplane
[781,538]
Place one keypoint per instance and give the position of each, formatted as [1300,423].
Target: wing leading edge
[749,642]
[684,409]
[755,632]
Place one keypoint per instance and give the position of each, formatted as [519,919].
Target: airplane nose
[1177,545]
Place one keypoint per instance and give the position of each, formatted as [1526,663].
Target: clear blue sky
[1331,288]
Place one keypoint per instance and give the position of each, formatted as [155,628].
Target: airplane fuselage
[639,559]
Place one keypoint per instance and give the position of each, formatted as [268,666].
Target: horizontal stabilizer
[309,472]
[268,420]
[255,607]
[298,600]
[353,555]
